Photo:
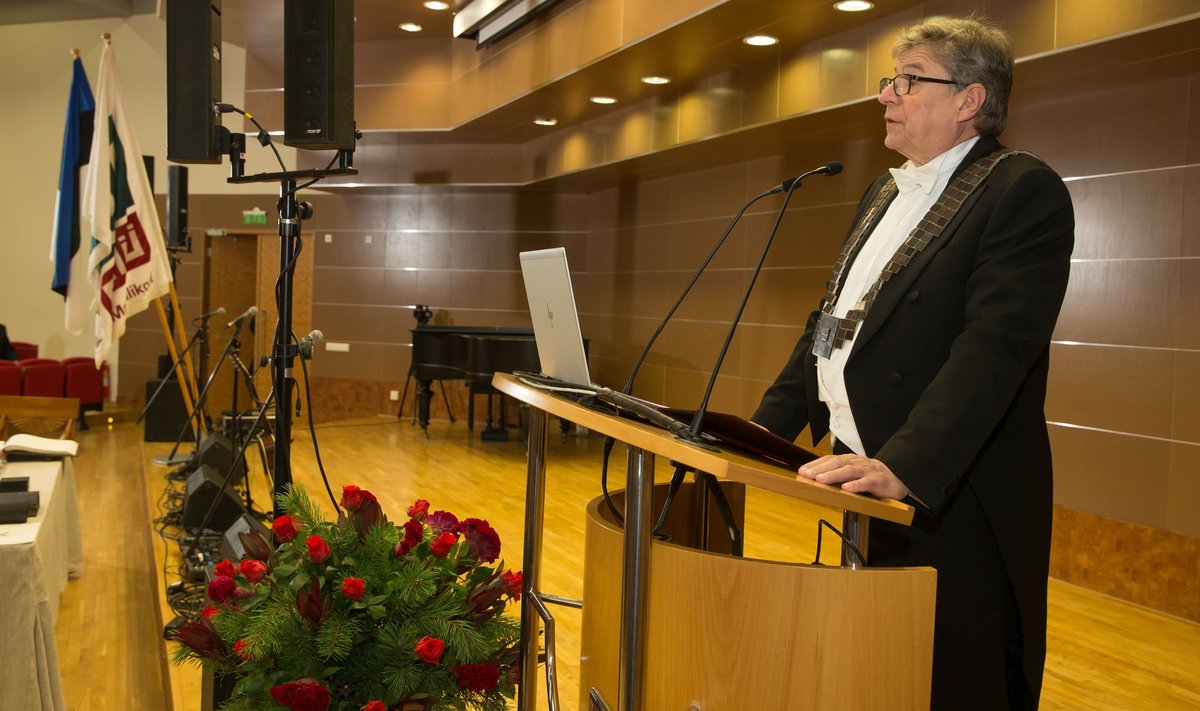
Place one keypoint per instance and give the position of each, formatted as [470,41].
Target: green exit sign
[254,217]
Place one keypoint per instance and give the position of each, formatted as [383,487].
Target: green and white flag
[128,265]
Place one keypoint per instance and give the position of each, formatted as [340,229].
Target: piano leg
[423,395]
[494,433]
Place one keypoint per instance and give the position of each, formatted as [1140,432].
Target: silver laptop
[555,319]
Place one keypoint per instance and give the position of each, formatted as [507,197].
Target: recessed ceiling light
[437,5]
[410,27]
[761,40]
[853,5]
[655,80]
[546,121]
[602,100]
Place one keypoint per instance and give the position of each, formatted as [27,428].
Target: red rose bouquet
[362,613]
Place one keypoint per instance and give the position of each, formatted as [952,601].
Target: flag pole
[190,370]
[185,384]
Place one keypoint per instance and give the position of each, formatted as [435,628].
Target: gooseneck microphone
[307,343]
[204,317]
[785,185]
[237,322]
[829,169]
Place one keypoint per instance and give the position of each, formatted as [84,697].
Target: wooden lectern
[682,628]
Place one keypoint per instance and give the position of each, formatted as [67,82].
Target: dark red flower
[483,539]
[318,549]
[302,695]
[255,545]
[477,677]
[252,570]
[442,521]
[513,581]
[284,528]
[430,649]
[225,568]
[220,588]
[441,545]
[200,637]
[374,705]
[419,508]
[353,588]
[414,533]
[310,606]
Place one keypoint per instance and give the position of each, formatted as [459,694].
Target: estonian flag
[128,266]
[70,263]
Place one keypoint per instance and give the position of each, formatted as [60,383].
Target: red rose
[225,568]
[242,648]
[285,529]
[374,706]
[513,581]
[441,545]
[483,539]
[209,612]
[318,549]
[353,497]
[477,677]
[419,508]
[414,533]
[302,695]
[252,570]
[220,588]
[430,649]
[353,588]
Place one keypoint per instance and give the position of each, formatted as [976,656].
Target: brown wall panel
[1121,389]
[1128,215]
[1111,474]
[1184,486]
[1121,303]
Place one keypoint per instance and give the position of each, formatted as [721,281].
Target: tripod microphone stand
[200,338]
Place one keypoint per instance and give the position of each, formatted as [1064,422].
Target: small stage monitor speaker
[203,488]
[231,544]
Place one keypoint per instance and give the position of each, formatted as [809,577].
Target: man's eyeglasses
[902,83]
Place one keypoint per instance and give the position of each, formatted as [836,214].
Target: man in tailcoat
[927,360]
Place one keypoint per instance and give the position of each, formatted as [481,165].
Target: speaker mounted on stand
[318,74]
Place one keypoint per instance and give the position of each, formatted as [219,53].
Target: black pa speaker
[177,206]
[231,545]
[167,415]
[203,487]
[217,451]
[193,80]
[318,74]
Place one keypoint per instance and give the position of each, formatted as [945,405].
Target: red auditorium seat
[10,378]
[84,381]
[43,377]
[25,350]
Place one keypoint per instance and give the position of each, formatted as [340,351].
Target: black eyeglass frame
[891,81]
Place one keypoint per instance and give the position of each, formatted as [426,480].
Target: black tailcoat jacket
[947,382]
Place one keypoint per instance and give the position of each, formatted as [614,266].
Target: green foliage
[364,647]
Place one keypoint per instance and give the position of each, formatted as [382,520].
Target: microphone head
[833,167]
[220,310]
[315,335]
[251,312]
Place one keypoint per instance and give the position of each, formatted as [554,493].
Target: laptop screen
[555,318]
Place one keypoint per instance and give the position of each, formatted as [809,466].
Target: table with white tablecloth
[36,559]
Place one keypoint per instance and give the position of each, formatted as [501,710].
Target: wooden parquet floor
[1104,654]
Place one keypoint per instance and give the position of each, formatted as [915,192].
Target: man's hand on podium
[856,474]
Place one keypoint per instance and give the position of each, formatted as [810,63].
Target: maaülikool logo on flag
[128,265]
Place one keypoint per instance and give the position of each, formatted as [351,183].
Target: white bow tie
[909,179]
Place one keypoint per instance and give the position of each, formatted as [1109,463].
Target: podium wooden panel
[827,631]
[738,633]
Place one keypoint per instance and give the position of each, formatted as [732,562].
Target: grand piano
[472,354]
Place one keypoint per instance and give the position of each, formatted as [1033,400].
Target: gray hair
[972,50]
